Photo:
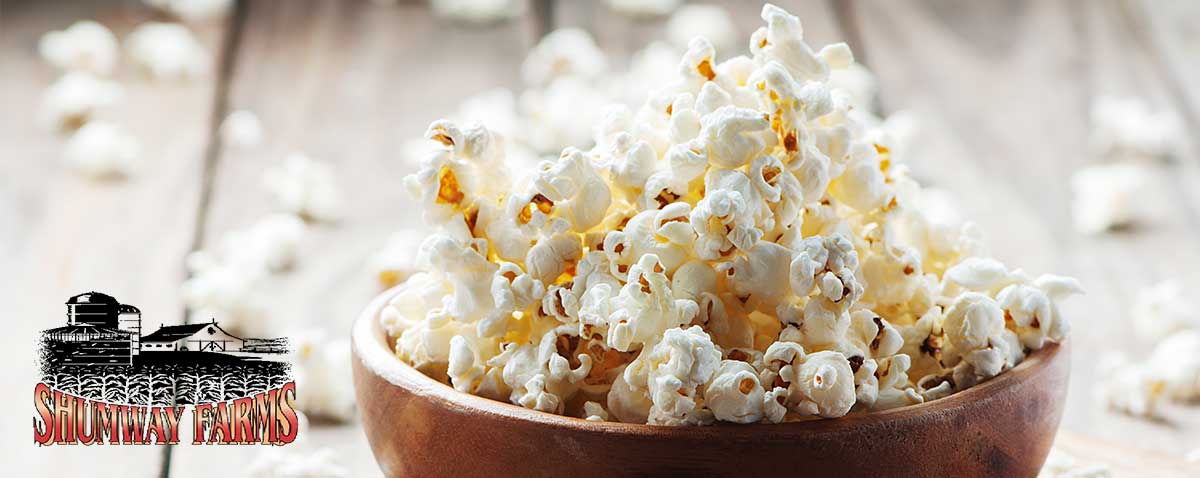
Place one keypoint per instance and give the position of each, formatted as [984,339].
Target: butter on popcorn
[741,248]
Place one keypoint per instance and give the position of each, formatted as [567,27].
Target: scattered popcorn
[478,11]
[229,290]
[85,46]
[274,462]
[101,149]
[242,129]
[1161,310]
[563,52]
[1107,196]
[644,8]
[192,10]
[1062,465]
[321,367]
[74,99]
[742,247]
[167,51]
[398,258]
[1127,126]
[1130,388]
[710,21]
[305,187]
[1176,361]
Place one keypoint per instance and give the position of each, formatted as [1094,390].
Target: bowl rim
[370,347]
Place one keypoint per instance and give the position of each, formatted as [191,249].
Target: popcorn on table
[242,129]
[101,149]
[305,187]
[1060,464]
[273,462]
[478,11]
[644,8]
[85,46]
[193,10]
[1106,196]
[1162,309]
[167,51]
[74,99]
[1128,126]
[710,21]
[321,367]
[743,247]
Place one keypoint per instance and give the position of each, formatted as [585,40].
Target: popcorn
[242,129]
[644,8]
[1176,361]
[397,261]
[734,394]
[279,463]
[1130,388]
[305,187]
[1161,310]
[563,52]
[710,21]
[477,11]
[270,243]
[100,149]
[167,51]
[1106,196]
[85,46]
[192,10]
[1128,126]
[74,99]
[321,368]
[746,246]
[1062,465]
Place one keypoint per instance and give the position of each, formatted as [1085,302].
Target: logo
[104,382]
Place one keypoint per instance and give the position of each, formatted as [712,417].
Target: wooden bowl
[422,428]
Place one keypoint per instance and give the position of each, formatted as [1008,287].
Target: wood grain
[1004,97]
[66,234]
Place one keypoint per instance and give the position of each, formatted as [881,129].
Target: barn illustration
[205,337]
[102,331]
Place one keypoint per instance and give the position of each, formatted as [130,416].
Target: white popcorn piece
[734,136]
[397,260]
[193,10]
[594,412]
[857,82]
[321,368]
[672,373]
[167,51]
[822,384]
[275,462]
[242,129]
[1176,362]
[1060,464]
[644,8]
[709,21]
[101,149]
[85,46]
[232,291]
[269,244]
[734,394]
[1107,196]
[478,11]
[74,99]
[1130,388]
[1161,310]
[1128,126]
[976,343]
[563,52]
[305,187]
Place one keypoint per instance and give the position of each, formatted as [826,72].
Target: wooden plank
[63,234]
[345,83]
[1003,93]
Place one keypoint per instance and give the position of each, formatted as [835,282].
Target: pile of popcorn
[743,248]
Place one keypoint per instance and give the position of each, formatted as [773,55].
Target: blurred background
[1064,129]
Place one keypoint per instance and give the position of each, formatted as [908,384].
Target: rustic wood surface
[1002,90]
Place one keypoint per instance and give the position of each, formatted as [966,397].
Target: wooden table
[1002,89]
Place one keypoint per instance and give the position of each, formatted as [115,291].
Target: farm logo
[103,382]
